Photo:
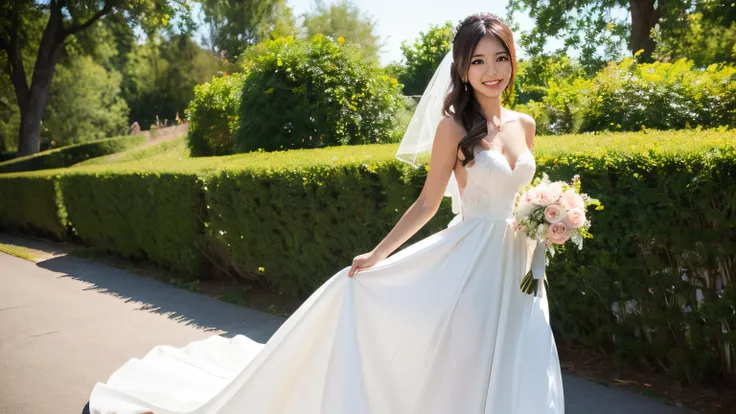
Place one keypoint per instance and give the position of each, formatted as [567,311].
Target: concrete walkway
[67,323]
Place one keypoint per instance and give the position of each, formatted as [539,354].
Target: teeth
[492,82]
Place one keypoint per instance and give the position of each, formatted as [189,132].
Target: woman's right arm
[442,162]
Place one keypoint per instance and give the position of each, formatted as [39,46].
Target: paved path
[66,323]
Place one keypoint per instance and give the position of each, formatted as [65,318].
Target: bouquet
[551,213]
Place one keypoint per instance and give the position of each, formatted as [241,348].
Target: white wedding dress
[440,327]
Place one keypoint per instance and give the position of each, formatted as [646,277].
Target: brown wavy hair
[460,103]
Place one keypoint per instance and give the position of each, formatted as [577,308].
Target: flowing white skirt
[440,327]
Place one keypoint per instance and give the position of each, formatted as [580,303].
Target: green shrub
[138,214]
[535,76]
[68,156]
[315,93]
[32,203]
[628,96]
[213,115]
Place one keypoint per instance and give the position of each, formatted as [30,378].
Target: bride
[440,327]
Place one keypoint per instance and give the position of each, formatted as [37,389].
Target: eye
[503,57]
[477,61]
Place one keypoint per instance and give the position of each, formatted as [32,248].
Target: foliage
[160,76]
[535,75]
[84,104]
[70,155]
[590,26]
[306,93]
[654,284]
[700,30]
[32,203]
[704,36]
[343,20]
[140,215]
[60,21]
[424,56]
[627,96]
[213,115]
[237,25]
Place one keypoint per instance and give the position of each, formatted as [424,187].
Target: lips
[492,83]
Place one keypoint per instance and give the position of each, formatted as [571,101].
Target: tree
[586,25]
[707,34]
[423,57]
[345,20]
[534,75]
[236,25]
[84,104]
[280,23]
[65,19]
[592,25]
[160,75]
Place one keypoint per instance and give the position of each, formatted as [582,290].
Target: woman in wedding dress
[440,327]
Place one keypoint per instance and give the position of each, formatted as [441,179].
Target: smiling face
[490,68]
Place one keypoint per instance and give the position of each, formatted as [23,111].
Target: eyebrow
[497,53]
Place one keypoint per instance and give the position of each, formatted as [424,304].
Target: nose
[492,70]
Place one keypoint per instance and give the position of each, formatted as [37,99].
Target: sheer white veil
[420,133]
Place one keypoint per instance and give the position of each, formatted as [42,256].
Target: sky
[399,20]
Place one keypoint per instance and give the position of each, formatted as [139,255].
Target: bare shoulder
[449,133]
[529,125]
[451,127]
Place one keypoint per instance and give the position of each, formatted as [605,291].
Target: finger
[352,270]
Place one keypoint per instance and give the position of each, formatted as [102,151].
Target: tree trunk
[643,18]
[33,103]
[31,113]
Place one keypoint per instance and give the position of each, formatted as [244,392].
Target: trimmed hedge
[318,209]
[653,285]
[142,215]
[72,154]
[32,203]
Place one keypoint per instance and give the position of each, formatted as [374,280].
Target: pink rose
[570,199]
[555,190]
[576,217]
[543,196]
[554,213]
[528,197]
[558,233]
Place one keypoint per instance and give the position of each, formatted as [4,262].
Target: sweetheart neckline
[527,151]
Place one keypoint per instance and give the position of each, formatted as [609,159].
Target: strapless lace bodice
[492,184]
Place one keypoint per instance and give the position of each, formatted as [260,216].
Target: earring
[466,86]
